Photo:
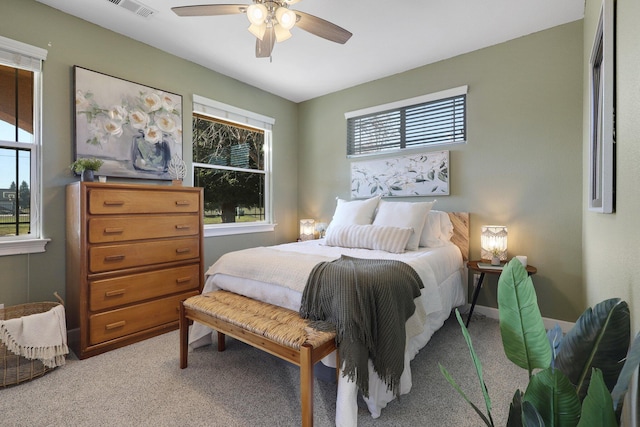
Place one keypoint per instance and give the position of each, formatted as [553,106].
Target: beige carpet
[142,385]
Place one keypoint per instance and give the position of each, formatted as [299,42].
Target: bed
[278,275]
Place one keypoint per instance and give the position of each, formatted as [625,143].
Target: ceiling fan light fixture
[258,30]
[257,13]
[286,18]
[281,33]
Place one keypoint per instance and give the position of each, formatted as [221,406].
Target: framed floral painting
[423,174]
[135,129]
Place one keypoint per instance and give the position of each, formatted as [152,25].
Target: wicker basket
[17,369]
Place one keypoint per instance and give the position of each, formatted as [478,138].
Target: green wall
[71,41]
[521,166]
[611,242]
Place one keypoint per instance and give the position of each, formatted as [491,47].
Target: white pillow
[404,214]
[437,230]
[389,239]
[354,212]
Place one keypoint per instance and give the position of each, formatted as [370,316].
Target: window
[438,118]
[20,183]
[602,114]
[231,161]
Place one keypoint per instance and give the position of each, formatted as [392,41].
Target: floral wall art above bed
[424,174]
[135,129]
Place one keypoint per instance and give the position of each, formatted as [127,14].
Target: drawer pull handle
[181,280]
[182,203]
[114,258]
[183,250]
[112,230]
[113,202]
[114,293]
[182,227]
[115,325]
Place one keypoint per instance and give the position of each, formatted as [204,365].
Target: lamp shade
[257,13]
[493,242]
[286,18]
[307,229]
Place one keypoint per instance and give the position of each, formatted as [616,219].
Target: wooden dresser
[133,252]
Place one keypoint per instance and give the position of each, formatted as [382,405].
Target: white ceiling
[389,37]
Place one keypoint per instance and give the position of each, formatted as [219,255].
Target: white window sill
[19,247]
[229,229]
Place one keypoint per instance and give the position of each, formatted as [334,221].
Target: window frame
[228,113]
[398,106]
[16,54]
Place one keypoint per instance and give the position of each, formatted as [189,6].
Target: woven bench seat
[276,330]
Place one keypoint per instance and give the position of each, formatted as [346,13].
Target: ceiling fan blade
[264,47]
[210,9]
[321,28]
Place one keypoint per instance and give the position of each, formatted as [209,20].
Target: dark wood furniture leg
[476,292]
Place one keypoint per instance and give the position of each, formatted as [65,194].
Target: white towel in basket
[41,336]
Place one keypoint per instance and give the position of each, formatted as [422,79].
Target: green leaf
[453,383]
[515,410]
[523,334]
[630,365]
[599,339]
[530,416]
[597,406]
[476,363]
[554,397]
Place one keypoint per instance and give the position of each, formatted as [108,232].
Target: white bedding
[260,277]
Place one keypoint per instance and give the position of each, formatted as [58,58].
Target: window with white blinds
[438,118]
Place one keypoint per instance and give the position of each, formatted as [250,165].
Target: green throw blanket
[368,302]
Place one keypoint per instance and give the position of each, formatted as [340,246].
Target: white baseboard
[492,313]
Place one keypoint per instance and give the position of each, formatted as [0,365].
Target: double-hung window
[424,121]
[20,153]
[232,162]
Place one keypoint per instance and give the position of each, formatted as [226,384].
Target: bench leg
[306,385]
[184,332]
[221,343]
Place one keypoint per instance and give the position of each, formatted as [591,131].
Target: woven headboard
[460,221]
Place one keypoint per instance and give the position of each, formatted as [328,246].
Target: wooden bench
[276,330]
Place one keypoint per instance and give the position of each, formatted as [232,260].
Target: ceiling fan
[271,21]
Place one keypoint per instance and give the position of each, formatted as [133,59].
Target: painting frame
[135,129]
[412,175]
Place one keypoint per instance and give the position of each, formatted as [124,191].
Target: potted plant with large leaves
[576,380]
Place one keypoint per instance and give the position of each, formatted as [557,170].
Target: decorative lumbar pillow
[383,238]
[404,214]
[437,230]
[359,212]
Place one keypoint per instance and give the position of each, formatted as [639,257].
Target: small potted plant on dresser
[86,168]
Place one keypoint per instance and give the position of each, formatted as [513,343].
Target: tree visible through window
[16,144]
[229,163]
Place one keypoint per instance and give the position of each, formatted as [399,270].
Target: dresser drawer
[117,291]
[115,257]
[118,229]
[123,201]
[125,321]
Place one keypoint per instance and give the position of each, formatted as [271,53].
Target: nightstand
[482,269]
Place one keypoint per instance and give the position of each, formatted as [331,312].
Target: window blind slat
[434,122]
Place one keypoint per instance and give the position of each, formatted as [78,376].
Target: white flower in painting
[97,130]
[117,113]
[152,134]
[167,102]
[166,123]
[113,127]
[138,119]
[82,104]
[151,102]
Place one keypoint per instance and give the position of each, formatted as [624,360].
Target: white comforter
[259,273]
